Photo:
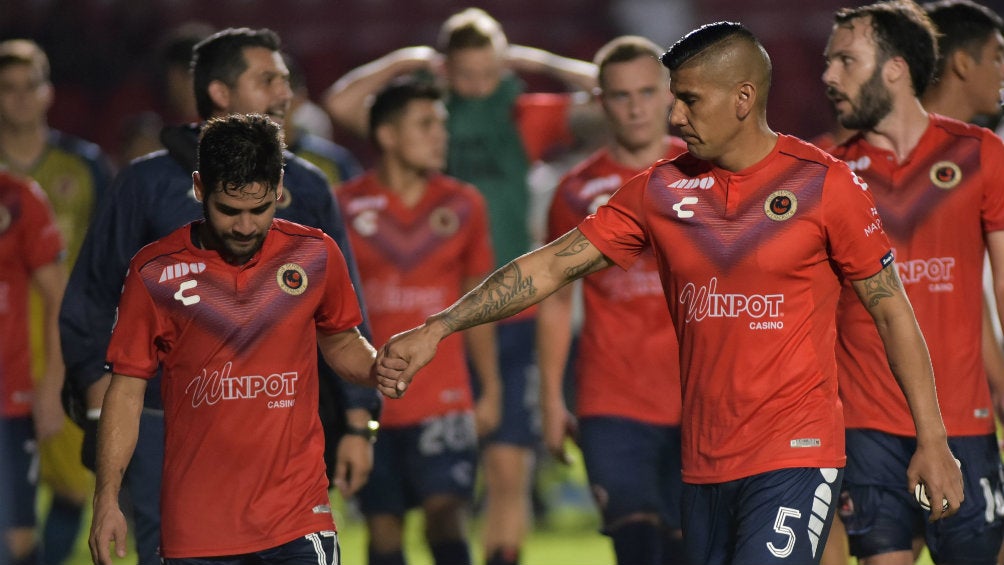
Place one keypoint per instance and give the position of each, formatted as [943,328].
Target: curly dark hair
[238,151]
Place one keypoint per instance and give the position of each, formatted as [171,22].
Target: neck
[638,157]
[408,183]
[21,147]
[901,130]
[752,146]
[947,99]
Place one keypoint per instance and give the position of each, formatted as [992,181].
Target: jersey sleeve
[992,169]
[86,317]
[132,350]
[618,227]
[339,309]
[43,243]
[855,238]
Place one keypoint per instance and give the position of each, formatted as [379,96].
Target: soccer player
[936,184]
[232,309]
[752,232]
[421,239]
[496,131]
[31,252]
[74,175]
[627,330]
[236,70]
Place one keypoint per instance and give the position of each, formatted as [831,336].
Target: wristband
[369,432]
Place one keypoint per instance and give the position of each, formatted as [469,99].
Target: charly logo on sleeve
[292,279]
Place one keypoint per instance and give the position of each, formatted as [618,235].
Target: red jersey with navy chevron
[936,206]
[627,333]
[29,240]
[749,264]
[243,465]
[413,262]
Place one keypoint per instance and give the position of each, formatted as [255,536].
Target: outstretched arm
[346,100]
[349,354]
[932,463]
[514,287]
[574,72]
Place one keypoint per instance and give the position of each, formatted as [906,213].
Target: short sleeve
[618,227]
[133,350]
[43,243]
[992,172]
[855,238]
[338,310]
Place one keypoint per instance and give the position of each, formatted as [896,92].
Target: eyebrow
[231,210]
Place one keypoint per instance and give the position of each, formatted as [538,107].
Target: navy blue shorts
[881,514]
[18,473]
[318,548]
[650,453]
[778,517]
[438,456]
[521,419]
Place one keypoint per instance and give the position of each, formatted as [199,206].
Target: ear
[895,70]
[745,99]
[385,136]
[219,93]
[960,63]
[279,187]
[197,186]
[48,95]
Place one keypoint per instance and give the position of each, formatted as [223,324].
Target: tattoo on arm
[504,293]
[577,245]
[885,284]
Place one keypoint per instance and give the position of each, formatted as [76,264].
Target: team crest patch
[285,200]
[5,219]
[780,205]
[292,279]
[946,175]
[444,221]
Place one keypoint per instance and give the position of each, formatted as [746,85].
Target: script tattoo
[503,294]
[883,285]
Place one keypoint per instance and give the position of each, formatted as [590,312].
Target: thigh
[444,456]
[879,512]
[18,473]
[609,446]
[778,517]
[973,535]
[520,424]
[318,548]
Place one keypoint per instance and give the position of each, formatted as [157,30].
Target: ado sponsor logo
[178,270]
[703,183]
[705,301]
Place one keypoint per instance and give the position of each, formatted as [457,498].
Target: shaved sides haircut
[725,40]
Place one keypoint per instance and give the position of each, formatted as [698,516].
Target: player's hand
[353,463]
[488,410]
[401,357]
[108,525]
[558,424]
[936,468]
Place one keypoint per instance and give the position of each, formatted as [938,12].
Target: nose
[677,117]
[244,225]
[828,77]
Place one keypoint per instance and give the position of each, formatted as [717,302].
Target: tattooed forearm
[504,293]
[883,285]
[583,269]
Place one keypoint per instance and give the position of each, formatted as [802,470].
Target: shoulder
[290,229]
[302,173]
[957,128]
[170,244]
[805,151]
[72,144]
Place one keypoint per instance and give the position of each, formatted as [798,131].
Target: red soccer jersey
[412,263]
[936,207]
[243,462]
[748,262]
[542,119]
[29,239]
[627,334]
